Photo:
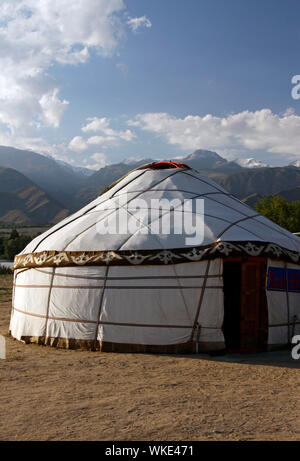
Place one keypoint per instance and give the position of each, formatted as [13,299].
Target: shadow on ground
[282,358]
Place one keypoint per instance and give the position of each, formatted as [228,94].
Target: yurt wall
[162,305]
[283,301]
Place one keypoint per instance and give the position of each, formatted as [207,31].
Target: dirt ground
[51,394]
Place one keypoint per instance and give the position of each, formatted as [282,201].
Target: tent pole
[100,307]
[287,303]
[198,337]
[48,305]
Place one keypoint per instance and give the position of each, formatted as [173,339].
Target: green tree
[11,249]
[14,246]
[1,246]
[277,209]
[14,234]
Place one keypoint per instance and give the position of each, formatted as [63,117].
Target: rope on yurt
[239,201]
[100,307]
[148,166]
[159,242]
[198,330]
[13,293]
[200,300]
[287,303]
[294,325]
[113,211]
[80,216]
[15,275]
[48,304]
[202,180]
[234,224]
[113,184]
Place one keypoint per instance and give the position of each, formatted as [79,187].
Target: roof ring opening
[164,165]
[151,166]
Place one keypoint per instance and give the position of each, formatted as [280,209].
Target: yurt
[94,281]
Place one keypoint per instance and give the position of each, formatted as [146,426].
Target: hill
[206,160]
[248,184]
[262,181]
[60,182]
[290,195]
[23,202]
[72,187]
[104,177]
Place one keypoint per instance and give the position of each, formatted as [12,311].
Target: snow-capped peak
[251,163]
[77,169]
[296,163]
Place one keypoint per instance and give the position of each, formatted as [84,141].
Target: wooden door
[253,305]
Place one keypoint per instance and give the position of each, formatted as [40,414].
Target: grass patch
[6,283]
[5,270]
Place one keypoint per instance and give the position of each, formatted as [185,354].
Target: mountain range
[23,202]
[36,189]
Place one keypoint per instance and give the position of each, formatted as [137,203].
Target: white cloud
[78,144]
[244,131]
[99,161]
[137,23]
[34,143]
[104,136]
[103,141]
[96,124]
[108,135]
[126,135]
[34,34]
[53,108]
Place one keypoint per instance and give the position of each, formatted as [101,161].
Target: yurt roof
[230,226]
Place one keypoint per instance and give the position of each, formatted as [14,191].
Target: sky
[95,82]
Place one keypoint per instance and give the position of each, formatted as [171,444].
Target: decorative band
[154,257]
[104,346]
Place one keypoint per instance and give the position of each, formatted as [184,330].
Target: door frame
[262,313]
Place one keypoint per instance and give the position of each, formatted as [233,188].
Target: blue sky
[104,81]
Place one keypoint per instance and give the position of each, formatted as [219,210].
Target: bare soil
[52,394]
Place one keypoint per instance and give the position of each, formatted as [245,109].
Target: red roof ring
[164,165]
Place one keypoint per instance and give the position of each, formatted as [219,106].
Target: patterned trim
[154,257]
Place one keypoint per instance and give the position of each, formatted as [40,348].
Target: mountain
[76,169]
[111,173]
[291,195]
[104,177]
[205,160]
[58,181]
[23,202]
[248,184]
[209,163]
[295,163]
[63,187]
[251,163]
[262,181]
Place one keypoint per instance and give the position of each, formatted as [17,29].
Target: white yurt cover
[78,284]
